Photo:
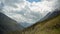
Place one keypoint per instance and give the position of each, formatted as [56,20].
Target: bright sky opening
[34,0]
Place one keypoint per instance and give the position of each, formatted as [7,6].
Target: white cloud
[24,11]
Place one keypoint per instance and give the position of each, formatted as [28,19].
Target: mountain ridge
[8,24]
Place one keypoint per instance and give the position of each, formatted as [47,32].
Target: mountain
[25,24]
[48,26]
[1,6]
[55,13]
[48,16]
[51,15]
[7,24]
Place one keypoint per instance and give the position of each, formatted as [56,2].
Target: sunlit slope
[49,26]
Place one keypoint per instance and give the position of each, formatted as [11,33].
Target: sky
[28,11]
[34,0]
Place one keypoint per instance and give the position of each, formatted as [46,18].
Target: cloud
[24,11]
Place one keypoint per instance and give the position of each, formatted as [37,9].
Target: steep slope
[7,24]
[49,26]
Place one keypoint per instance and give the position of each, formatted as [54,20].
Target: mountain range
[48,26]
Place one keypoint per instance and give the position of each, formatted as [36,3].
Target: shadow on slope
[7,24]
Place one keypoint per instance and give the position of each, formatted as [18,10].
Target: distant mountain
[55,13]
[25,24]
[8,24]
[1,6]
[51,15]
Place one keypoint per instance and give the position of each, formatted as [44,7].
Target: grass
[49,26]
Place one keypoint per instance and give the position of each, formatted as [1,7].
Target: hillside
[7,24]
[49,26]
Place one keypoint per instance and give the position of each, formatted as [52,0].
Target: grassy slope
[50,26]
